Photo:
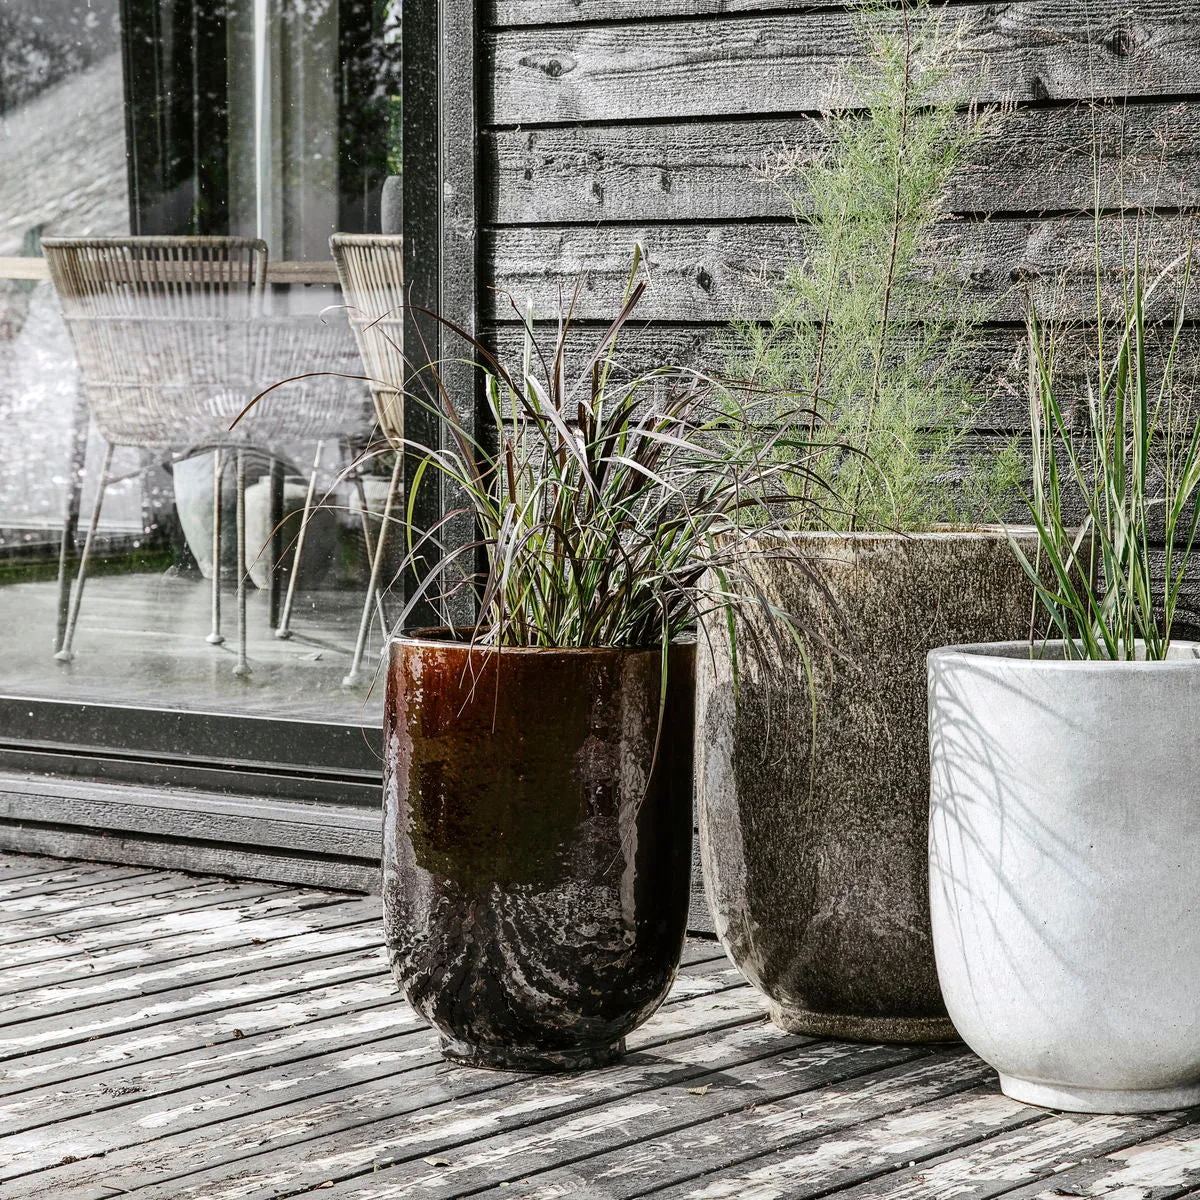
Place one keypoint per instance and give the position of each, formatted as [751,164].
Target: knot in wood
[554,67]
[1122,43]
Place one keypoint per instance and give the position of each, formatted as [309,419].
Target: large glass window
[171,173]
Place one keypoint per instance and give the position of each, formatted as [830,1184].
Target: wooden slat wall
[603,123]
[609,121]
[751,63]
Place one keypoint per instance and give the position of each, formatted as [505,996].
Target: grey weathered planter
[320,538]
[1064,855]
[814,851]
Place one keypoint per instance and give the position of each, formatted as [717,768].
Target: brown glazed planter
[814,840]
[535,869]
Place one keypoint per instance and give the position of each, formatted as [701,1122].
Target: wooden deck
[174,1037]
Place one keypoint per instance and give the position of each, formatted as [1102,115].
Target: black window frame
[331,762]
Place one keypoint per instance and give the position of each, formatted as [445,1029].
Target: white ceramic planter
[1064,859]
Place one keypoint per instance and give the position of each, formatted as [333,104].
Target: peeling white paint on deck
[230,1044]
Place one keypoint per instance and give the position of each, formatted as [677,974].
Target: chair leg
[284,630]
[274,545]
[65,653]
[354,674]
[216,637]
[243,666]
[66,548]
[365,517]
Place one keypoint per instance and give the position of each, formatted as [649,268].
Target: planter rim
[939,533]
[1185,655]
[436,643]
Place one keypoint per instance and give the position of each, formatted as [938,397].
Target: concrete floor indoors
[141,640]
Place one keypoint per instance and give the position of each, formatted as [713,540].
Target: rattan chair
[371,270]
[172,346]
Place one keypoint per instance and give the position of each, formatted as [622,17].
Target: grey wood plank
[997,368]
[241,820]
[87,896]
[569,12]
[175,935]
[700,919]
[369,978]
[1156,1168]
[950,1144]
[701,950]
[693,1149]
[288,1004]
[107,1091]
[214,860]
[698,1008]
[382,1052]
[712,273]
[14,865]
[625,1143]
[364,956]
[1032,1153]
[170,891]
[801,62]
[201,914]
[349,1132]
[342,927]
[1037,160]
[50,1103]
[67,878]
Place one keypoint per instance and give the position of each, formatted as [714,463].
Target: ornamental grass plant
[871,342]
[604,507]
[1115,494]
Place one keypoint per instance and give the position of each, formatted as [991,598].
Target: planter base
[524,1058]
[1099,1100]
[863,1029]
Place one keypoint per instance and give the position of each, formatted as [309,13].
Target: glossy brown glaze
[536,869]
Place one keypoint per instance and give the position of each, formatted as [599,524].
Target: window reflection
[140,142]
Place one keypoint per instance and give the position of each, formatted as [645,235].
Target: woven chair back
[173,344]
[371,270]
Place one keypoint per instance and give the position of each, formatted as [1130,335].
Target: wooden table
[185,1038]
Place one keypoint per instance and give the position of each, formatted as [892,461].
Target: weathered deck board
[47,883]
[1149,1169]
[258,1048]
[21,866]
[347,952]
[991,1168]
[168,893]
[102,899]
[53,960]
[404,1111]
[327,931]
[361,987]
[780,1113]
[621,1133]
